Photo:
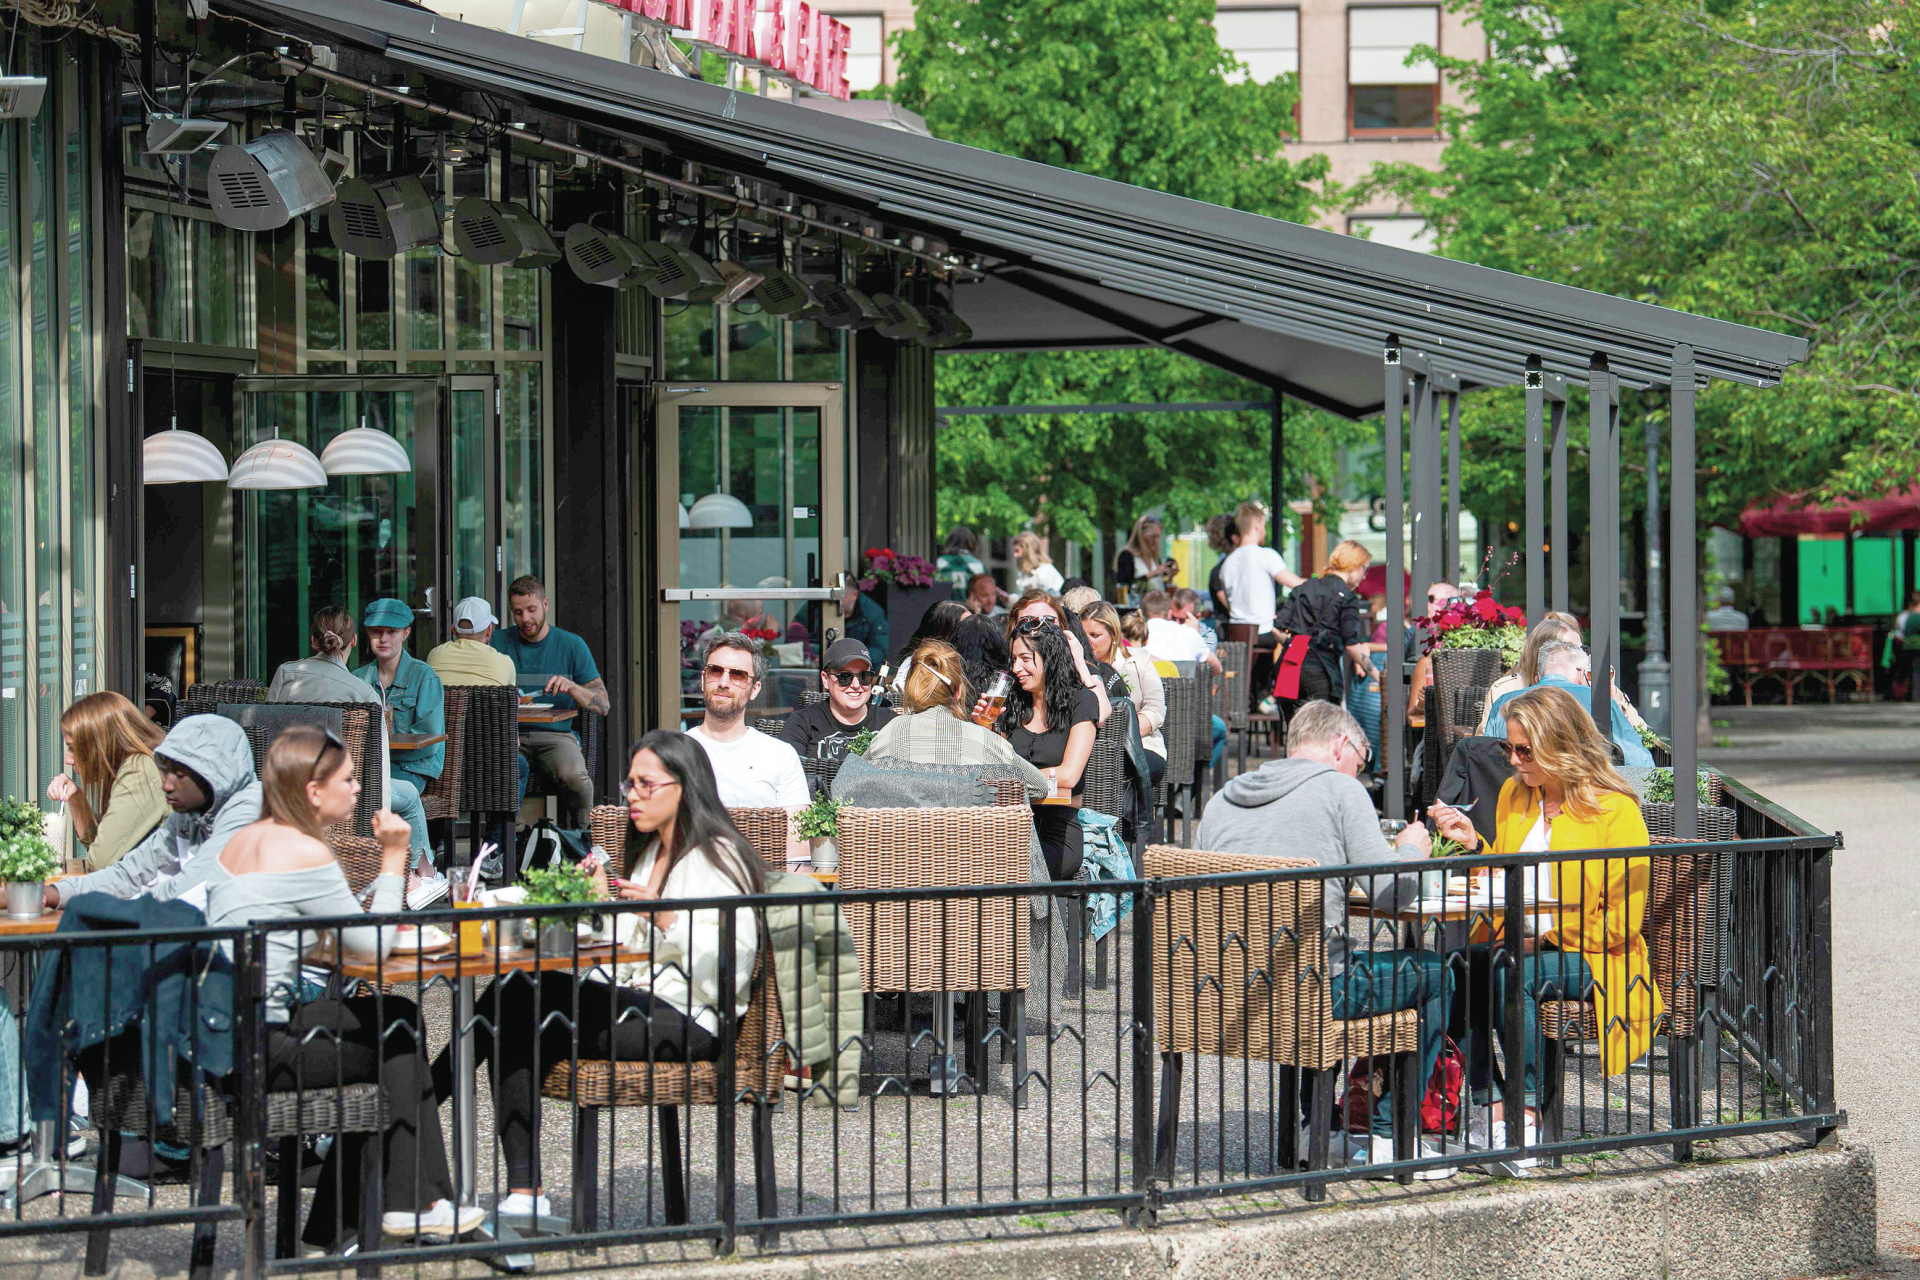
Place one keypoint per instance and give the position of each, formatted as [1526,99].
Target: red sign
[788,38]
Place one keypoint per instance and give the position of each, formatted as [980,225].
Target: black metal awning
[1085,262]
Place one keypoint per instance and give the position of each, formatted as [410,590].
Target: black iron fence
[893,1056]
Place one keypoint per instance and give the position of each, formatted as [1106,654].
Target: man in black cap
[825,730]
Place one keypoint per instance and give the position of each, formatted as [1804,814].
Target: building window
[1400,232]
[866,44]
[1267,40]
[1385,96]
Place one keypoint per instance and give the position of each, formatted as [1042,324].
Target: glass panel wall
[49,386]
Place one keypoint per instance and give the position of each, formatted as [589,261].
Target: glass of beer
[996,696]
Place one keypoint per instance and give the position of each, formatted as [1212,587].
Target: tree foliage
[1753,162]
[1140,94]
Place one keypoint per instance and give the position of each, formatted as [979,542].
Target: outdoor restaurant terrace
[933,1035]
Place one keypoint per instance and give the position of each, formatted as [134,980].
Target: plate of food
[425,938]
[536,706]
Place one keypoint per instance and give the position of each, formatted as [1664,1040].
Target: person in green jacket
[112,785]
[411,691]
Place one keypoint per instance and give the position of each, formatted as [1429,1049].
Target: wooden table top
[414,741]
[46,922]
[404,966]
[547,715]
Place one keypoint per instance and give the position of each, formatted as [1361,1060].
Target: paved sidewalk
[1856,768]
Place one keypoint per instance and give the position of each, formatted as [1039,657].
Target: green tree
[1753,162]
[1141,95]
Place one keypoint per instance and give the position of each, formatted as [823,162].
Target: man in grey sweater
[1311,805]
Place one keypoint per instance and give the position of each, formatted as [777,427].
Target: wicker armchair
[765,829]
[204,699]
[1230,700]
[1183,694]
[355,723]
[441,799]
[1105,778]
[1239,972]
[759,1067]
[203,1119]
[772,726]
[1461,678]
[1683,932]
[962,944]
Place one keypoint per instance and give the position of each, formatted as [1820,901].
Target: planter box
[905,607]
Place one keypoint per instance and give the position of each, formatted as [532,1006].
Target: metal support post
[1536,492]
[1603,557]
[1451,568]
[1418,467]
[1558,507]
[1277,453]
[1656,678]
[1429,498]
[1685,611]
[1395,727]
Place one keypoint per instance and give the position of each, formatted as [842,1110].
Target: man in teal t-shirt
[556,664]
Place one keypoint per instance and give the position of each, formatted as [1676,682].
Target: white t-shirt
[758,771]
[1538,878]
[1252,592]
[1169,641]
[1043,578]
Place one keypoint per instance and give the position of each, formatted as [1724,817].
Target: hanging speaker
[945,329]
[899,319]
[782,293]
[842,306]
[602,257]
[171,135]
[381,219]
[493,233]
[265,184]
[678,272]
[537,248]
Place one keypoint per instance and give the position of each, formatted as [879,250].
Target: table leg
[466,1140]
[45,1174]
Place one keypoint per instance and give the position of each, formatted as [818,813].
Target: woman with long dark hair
[937,623]
[680,844]
[1104,681]
[282,869]
[981,643]
[1051,718]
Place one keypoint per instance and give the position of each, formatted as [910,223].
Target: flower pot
[556,938]
[905,607]
[25,899]
[826,853]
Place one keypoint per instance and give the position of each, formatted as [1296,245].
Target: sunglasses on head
[1031,626]
[329,739]
[848,679]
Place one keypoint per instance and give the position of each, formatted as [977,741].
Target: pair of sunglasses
[332,740]
[847,679]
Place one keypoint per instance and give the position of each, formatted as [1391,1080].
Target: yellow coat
[1603,908]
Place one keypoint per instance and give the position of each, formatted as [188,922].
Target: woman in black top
[1050,719]
[1333,616]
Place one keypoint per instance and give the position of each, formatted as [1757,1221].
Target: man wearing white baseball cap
[468,658]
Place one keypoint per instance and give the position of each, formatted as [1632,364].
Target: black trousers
[1061,839]
[535,1024]
[1263,668]
[365,1040]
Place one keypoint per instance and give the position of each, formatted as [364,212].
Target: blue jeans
[403,793]
[1377,982]
[14,1123]
[1219,742]
[522,768]
[1544,975]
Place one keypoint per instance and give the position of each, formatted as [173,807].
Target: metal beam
[1536,530]
[1559,504]
[1276,458]
[1181,406]
[1421,412]
[1394,730]
[1685,610]
[1603,557]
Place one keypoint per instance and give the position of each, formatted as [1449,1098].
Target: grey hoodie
[1297,808]
[174,858]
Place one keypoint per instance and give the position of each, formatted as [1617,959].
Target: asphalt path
[1856,769]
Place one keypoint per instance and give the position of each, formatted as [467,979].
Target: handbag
[1439,1105]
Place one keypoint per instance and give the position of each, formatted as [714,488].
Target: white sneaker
[439,1219]
[1491,1135]
[1267,707]
[522,1205]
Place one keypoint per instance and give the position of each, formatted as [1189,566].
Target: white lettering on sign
[789,39]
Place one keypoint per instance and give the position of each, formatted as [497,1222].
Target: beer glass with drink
[996,699]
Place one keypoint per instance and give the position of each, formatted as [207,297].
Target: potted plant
[820,828]
[559,886]
[905,586]
[27,858]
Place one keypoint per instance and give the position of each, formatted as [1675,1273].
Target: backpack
[1439,1106]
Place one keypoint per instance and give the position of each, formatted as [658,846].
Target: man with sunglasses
[754,770]
[825,730]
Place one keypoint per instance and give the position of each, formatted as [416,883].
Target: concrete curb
[1797,1214]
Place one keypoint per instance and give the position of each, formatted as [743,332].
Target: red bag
[1286,680]
[1439,1107]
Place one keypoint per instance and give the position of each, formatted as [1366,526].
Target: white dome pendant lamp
[174,456]
[365,450]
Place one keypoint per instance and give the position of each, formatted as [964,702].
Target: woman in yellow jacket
[1565,794]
